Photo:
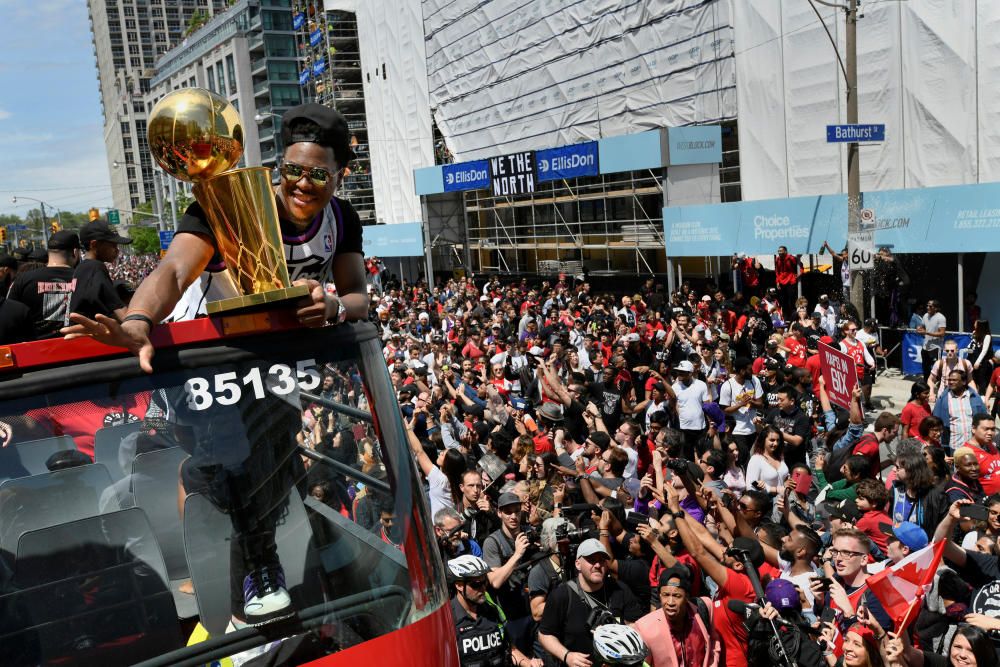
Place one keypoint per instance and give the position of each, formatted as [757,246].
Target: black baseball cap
[318,124]
[64,240]
[8,262]
[100,230]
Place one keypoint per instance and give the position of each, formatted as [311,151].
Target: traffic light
[93,214]
[53,227]
[3,234]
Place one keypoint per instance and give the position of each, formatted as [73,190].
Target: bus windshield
[151,517]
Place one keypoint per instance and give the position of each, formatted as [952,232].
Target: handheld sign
[839,374]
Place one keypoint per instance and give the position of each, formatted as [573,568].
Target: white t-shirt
[759,469]
[439,490]
[691,416]
[733,392]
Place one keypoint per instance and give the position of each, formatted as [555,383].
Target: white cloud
[4,114]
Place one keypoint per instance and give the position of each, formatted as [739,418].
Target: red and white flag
[901,588]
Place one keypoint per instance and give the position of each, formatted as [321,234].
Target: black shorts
[867,379]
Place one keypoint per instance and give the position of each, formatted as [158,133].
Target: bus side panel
[430,642]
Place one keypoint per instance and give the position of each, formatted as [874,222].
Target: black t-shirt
[794,423]
[335,231]
[95,292]
[15,327]
[566,614]
[46,292]
[634,573]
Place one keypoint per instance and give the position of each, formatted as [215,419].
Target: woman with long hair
[914,496]
[916,409]
[980,353]
[970,647]
[939,465]
[766,469]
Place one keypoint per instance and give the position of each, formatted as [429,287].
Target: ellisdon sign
[774,227]
[567,161]
[466,176]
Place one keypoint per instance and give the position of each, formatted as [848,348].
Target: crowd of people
[651,477]
[618,479]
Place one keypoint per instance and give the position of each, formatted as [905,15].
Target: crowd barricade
[903,347]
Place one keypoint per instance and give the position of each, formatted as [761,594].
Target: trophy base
[259,299]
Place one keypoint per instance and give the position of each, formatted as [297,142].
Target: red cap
[826,340]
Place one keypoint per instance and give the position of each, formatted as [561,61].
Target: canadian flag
[901,588]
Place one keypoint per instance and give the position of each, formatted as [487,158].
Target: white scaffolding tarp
[395,86]
[536,73]
[928,69]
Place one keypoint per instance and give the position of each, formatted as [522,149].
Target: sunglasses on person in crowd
[317,175]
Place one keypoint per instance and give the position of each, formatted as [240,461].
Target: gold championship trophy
[196,136]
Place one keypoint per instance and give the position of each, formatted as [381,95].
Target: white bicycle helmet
[619,645]
[467,567]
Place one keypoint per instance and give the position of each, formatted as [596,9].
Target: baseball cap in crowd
[773,365]
[64,240]
[724,336]
[661,334]
[508,499]
[536,351]
[684,367]
[589,547]
[752,547]
[601,439]
[845,510]
[632,338]
[518,403]
[484,298]
[824,297]
[100,230]
[782,595]
[407,390]
[771,343]
[910,535]
[318,124]
[38,254]
[706,298]
[8,262]
[826,340]
[679,576]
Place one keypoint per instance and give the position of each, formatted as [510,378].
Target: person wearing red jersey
[749,269]
[794,346]
[983,430]
[786,274]
[856,350]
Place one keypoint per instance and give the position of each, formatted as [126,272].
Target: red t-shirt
[868,447]
[543,444]
[913,414]
[728,623]
[989,468]
[684,558]
[869,525]
[748,272]
[81,420]
[786,269]
[692,647]
[813,366]
[796,352]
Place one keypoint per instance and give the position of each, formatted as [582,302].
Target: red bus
[128,501]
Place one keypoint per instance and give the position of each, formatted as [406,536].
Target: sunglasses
[317,175]
[477,585]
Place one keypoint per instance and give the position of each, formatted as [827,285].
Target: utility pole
[45,221]
[853,153]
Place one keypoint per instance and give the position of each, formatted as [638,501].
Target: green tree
[197,20]
[145,240]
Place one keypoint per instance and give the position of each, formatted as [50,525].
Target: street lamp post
[45,234]
[850,71]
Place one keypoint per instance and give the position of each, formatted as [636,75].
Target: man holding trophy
[245,243]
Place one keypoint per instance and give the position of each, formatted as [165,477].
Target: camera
[565,532]
[679,466]
[533,534]
[598,617]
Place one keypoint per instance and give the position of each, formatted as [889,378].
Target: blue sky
[51,130]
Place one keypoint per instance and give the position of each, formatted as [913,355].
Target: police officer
[479,621]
